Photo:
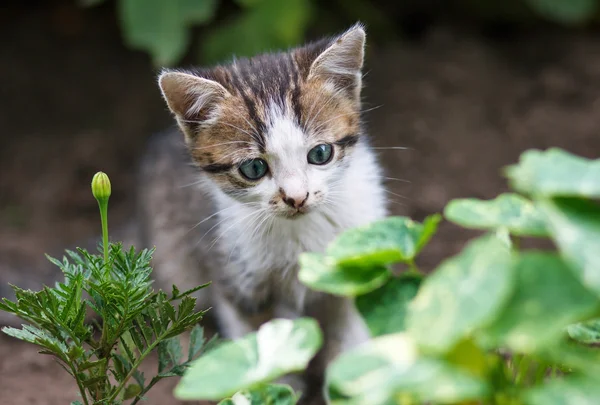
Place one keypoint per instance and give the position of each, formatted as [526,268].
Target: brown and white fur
[210,223]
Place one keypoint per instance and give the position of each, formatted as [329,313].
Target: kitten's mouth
[295,213]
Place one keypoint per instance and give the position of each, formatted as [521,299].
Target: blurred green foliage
[166,29]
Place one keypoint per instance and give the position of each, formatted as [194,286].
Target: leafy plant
[279,347]
[129,320]
[495,324]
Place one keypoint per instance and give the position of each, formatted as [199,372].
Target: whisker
[391,147]
[396,179]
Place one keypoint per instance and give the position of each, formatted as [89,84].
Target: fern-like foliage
[104,319]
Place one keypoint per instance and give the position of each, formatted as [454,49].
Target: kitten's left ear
[342,61]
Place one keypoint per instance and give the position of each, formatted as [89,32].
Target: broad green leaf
[586,332]
[566,11]
[546,299]
[322,274]
[272,394]
[575,227]
[162,28]
[555,173]
[391,240]
[278,347]
[266,25]
[510,211]
[389,367]
[571,390]
[384,309]
[464,293]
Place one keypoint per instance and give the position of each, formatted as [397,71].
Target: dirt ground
[75,101]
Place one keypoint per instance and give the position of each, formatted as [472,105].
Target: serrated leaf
[579,390]
[322,274]
[391,240]
[509,211]
[389,367]
[385,308]
[566,11]
[272,394]
[266,26]
[196,342]
[546,299]
[169,354]
[278,347]
[464,293]
[575,227]
[585,332]
[555,173]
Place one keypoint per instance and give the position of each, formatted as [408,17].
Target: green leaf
[267,25]
[132,391]
[272,394]
[575,227]
[385,308]
[546,299]
[586,332]
[278,347]
[196,342]
[464,293]
[510,211]
[555,173]
[162,28]
[169,353]
[566,11]
[322,274]
[391,240]
[389,367]
[578,390]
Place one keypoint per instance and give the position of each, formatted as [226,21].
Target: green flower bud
[101,186]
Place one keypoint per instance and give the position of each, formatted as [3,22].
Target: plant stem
[104,219]
[79,385]
[137,364]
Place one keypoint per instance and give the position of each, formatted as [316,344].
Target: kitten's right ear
[189,97]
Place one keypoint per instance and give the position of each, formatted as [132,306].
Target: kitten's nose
[295,200]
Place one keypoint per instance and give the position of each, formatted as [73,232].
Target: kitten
[273,162]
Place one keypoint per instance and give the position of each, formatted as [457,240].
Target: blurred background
[465,85]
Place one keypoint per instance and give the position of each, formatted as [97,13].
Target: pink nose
[294,200]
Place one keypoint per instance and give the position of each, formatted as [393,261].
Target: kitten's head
[276,130]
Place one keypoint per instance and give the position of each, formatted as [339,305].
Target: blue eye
[320,154]
[254,169]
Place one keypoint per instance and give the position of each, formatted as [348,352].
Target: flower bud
[101,186]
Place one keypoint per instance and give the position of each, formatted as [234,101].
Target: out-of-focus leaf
[565,11]
[162,28]
[272,394]
[279,347]
[391,240]
[389,367]
[385,308]
[265,25]
[555,173]
[575,227]
[510,211]
[565,391]
[586,332]
[547,297]
[464,293]
[322,274]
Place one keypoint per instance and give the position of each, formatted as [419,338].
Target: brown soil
[76,101]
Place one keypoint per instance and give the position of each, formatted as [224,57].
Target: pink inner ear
[189,96]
